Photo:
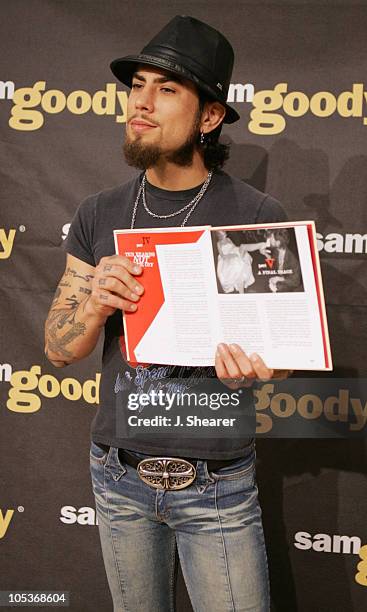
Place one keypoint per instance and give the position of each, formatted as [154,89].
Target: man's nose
[144,100]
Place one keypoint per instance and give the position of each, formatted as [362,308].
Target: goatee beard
[139,155]
[144,156]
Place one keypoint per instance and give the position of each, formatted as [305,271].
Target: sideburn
[184,154]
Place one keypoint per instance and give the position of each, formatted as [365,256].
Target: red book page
[140,247]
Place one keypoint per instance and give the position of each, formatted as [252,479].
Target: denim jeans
[214,525]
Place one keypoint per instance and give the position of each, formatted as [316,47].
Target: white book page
[283,327]
[183,331]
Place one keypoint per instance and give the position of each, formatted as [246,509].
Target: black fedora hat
[191,49]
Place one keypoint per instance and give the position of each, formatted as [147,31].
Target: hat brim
[124,67]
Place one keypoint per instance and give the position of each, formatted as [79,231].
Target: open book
[256,285]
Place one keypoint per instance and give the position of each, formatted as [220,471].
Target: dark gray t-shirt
[228,201]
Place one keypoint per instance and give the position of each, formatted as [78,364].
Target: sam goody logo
[273,407]
[6,242]
[30,104]
[6,517]
[323,542]
[5,372]
[342,243]
[270,107]
[82,516]
[340,544]
[27,387]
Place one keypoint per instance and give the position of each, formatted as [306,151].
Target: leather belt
[170,473]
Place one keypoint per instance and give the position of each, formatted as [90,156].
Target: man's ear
[212,116]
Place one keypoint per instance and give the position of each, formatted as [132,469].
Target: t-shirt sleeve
[271,211]
[79,241]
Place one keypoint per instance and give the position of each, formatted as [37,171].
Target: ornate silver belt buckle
[170,473]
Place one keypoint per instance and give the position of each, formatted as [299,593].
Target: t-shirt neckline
[181,195]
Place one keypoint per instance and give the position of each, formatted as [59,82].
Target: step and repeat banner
[299,85]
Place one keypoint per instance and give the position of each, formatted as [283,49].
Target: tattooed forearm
[56,297]
[56,362]
[72,302]
[57,344]
[73,326]
[56,341]
[74,274]
[62,326]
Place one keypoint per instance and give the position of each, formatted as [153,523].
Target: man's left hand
[235,369]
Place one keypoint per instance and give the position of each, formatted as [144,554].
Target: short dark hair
[282,235]
[215,153]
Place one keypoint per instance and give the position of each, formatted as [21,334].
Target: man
[175,113]
[289,276]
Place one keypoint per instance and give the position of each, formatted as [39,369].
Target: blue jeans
[215,524]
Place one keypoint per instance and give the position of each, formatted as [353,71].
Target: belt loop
[206,472]
[110,456]
[113,464]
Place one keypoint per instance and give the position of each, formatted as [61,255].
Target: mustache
[144,118]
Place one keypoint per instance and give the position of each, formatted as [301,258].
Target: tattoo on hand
[72,301]
[107,268]
[85,290]
[103,297]
[102,281]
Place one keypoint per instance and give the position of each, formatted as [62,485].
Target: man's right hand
[85,297]
[114,286]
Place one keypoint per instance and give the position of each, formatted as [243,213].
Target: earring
[202,138]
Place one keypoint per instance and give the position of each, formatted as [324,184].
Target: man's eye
[167,89]
[136,86]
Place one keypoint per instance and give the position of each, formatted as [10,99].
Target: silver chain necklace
[190,206]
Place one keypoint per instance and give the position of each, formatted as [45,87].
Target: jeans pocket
[238,469]
[97,454]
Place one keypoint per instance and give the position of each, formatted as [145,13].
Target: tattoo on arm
[74,274]
[64,320]
[56,297]
[63,363]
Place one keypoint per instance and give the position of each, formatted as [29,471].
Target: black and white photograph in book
[257,261]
